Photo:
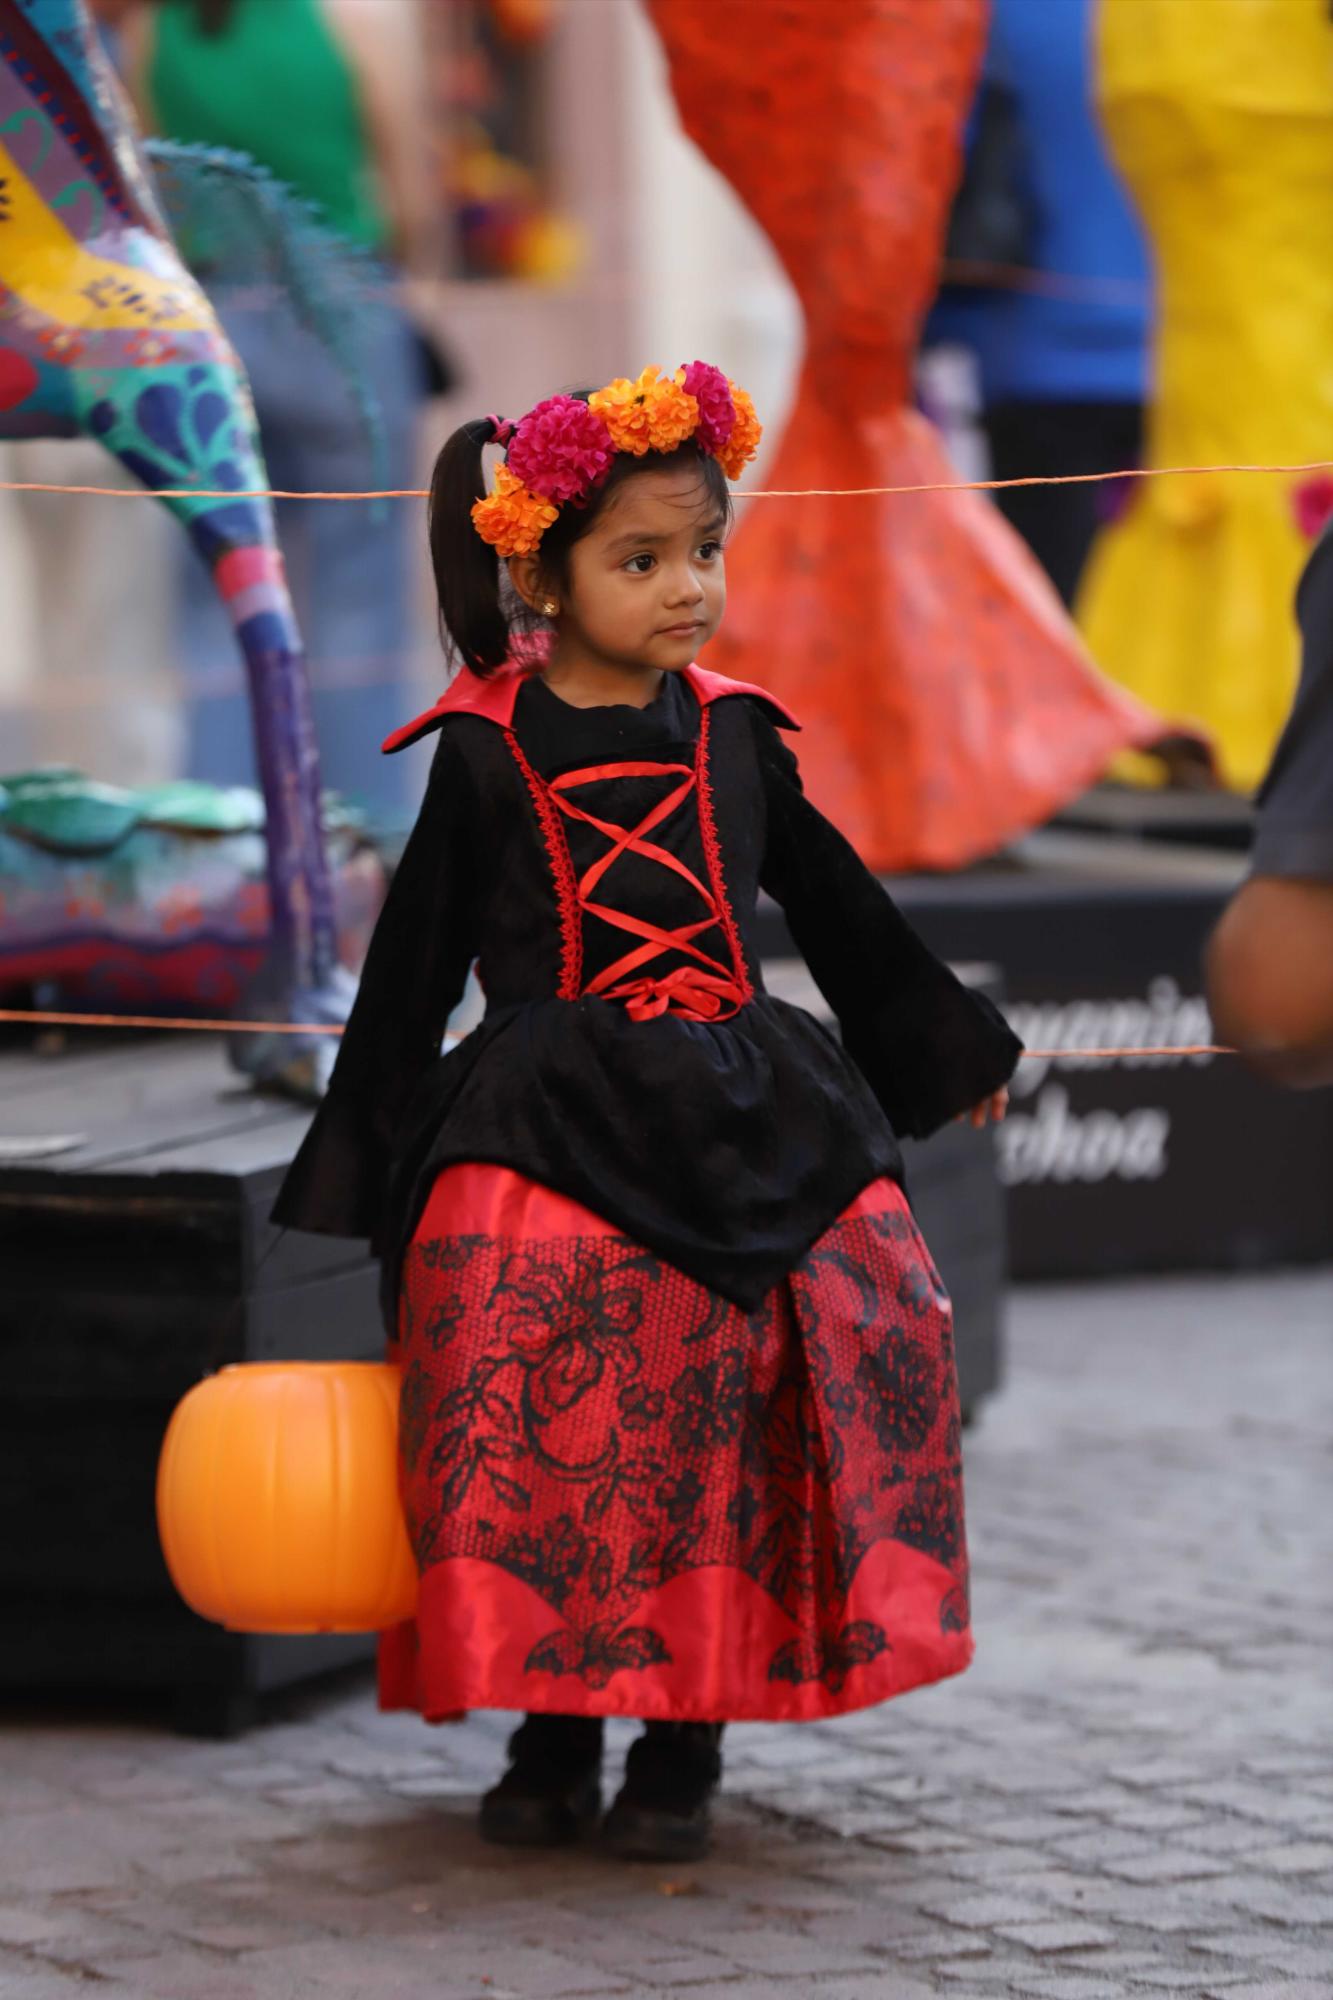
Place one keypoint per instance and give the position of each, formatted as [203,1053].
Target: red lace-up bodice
[668,970]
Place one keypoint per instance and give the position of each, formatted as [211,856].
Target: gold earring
[550,607]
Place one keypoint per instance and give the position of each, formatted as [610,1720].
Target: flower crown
[563,449]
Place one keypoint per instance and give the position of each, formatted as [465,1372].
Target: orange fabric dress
[948,703]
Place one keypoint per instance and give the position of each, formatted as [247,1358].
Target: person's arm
[383,44]
[1270,978]
[930,1049]
[413,978]
[1270,960]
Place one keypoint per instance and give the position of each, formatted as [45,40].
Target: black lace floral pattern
[900,1391]
[595,1424]
[709,1402]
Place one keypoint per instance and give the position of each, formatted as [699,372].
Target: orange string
[210,493]
[156,1021]
[1003,485]
[752,493]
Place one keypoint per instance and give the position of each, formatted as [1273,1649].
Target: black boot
[552,1791]
[661,1812]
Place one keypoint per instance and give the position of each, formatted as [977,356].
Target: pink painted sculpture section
[947,701]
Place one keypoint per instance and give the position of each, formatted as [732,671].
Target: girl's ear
[525,573]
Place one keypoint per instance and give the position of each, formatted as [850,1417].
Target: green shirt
[274,84]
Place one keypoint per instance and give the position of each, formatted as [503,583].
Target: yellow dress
[1220,116]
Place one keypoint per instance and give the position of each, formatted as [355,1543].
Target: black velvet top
[602,866]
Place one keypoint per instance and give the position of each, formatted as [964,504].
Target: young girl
[679,1423]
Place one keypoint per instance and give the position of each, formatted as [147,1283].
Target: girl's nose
[686,587]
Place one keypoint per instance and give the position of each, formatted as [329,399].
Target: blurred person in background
[326,95]
[1270,962]
[1057,316]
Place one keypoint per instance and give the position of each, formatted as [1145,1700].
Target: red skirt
[628,1497]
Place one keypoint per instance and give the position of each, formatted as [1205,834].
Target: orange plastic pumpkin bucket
[277,1498]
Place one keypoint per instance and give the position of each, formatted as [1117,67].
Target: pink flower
[1312,504]
[561,450]
[712,392]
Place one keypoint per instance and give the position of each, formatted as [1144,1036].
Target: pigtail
[473,623]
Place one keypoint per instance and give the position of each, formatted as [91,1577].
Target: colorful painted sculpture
[152,901]
[104,333]
[948,704]
[1226,140]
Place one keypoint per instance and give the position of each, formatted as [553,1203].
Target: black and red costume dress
[679,1426]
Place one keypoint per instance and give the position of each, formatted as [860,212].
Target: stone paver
[1130,1793]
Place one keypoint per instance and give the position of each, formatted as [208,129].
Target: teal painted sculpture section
[151,901]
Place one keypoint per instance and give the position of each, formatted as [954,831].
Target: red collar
[493,700]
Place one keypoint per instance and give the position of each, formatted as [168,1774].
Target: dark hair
[480,611]
[211,17]
[214,16]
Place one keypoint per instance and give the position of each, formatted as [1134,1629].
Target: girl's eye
[709,550]
[640,565]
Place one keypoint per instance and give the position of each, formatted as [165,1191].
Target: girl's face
[647,584]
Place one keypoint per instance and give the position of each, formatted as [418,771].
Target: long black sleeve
[928,1047]
[414,975]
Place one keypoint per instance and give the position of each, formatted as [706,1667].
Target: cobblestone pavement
[1131,1792]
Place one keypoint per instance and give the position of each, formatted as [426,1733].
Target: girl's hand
[991,1109]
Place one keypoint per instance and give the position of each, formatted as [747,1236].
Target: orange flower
[673,414]
[647,415]
[621,408]
[743,443]
[510,518]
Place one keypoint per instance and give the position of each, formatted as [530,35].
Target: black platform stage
[1180,818]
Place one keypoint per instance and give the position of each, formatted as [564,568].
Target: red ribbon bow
[688,992]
